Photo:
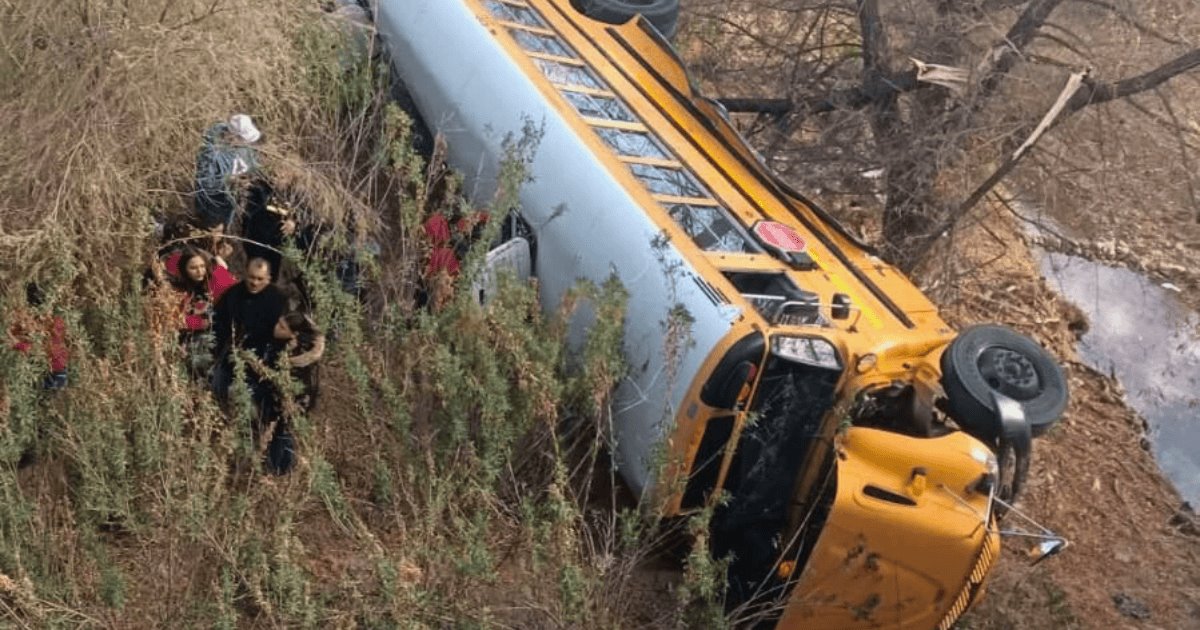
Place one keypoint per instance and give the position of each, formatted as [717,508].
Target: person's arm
[264,228]
[311,356]
[221,281]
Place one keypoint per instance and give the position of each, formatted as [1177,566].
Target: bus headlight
[807,350]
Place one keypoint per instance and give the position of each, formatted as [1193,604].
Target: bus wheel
[663,14]
[985,359]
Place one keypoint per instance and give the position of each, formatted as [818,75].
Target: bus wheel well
[663,14]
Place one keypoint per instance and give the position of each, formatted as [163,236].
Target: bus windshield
[787,418]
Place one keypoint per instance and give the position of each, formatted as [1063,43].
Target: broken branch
[1074,82]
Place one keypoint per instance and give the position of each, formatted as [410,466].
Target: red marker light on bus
[779,236]
[783,241]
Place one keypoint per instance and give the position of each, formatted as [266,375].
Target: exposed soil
[1135,555]
[1134,561]
[1119,183]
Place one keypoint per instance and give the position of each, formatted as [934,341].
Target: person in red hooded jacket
[28,325]
[201,282]
[447,246]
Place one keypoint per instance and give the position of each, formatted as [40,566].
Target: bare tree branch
[1077,95]
[1184,157]
[744,32]
[1005,54]
[924,138]
[1095,93]
[874,37]
[876,76]
[1174,126]
[851,98]
[777,106]
[993,5]
[1061,41]
[1074,84]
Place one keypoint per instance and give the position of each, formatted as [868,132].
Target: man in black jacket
[273,217]
[245,318]
[267,226]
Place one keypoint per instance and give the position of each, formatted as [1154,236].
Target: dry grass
[105,102]
[431,490]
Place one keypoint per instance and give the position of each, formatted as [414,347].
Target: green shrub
[454,452]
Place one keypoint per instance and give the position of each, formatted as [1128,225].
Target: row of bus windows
[518,14]
[709,224]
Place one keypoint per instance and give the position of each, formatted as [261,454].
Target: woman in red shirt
[201,285]
[28,325]
[447,247]
[200,282]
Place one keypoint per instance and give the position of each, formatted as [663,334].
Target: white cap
[244,128]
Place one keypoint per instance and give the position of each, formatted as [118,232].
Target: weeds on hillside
[454,472]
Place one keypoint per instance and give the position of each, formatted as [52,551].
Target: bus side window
[706,467]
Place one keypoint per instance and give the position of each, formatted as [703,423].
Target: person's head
[258,275]
[34,295]
[177,228]
[217,243]
[293,324]
[222,247]
[193,266]
[243,129]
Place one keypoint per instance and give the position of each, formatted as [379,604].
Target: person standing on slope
[245,319]
[200,282]
[28,327]
[227,158]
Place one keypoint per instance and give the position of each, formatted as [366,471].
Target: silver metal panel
[587,225]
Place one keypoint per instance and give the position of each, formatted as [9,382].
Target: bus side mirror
[841,306]
[1046,549]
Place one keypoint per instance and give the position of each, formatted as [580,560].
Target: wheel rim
[1010,373]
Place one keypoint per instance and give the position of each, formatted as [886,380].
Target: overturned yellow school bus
[854,435]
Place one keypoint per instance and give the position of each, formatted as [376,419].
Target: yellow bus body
[906,542]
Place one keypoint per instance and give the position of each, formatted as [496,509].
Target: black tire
[986,359]
[663,14]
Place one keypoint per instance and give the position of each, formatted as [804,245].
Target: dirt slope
[1131,563]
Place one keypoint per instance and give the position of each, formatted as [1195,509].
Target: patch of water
[1151,343]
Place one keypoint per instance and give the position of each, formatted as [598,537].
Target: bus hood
[907,543]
